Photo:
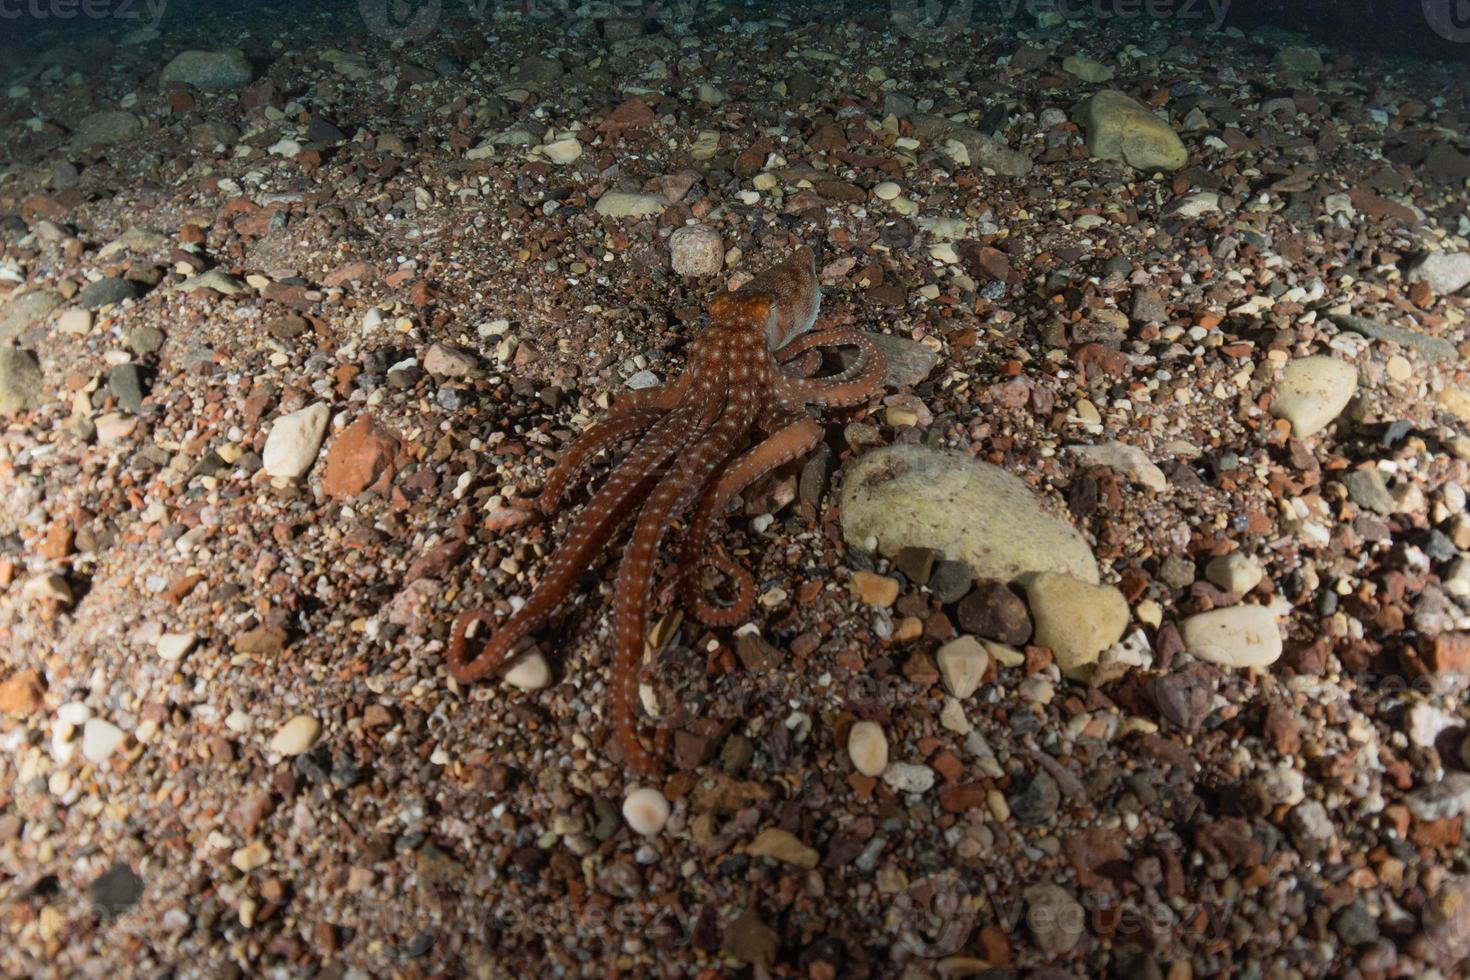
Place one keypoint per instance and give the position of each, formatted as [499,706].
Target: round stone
[100,739]
[867,747]
[296,736]
[887,191]
[646,810]
[1237,636]
[696,250]
[530,673]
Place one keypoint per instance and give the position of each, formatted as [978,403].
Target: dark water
[1437,29]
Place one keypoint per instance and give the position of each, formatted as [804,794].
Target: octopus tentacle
[631,414]
[851,387]
[598,521]
[671,497]
[788,443]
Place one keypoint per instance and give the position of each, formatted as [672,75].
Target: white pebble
[886,191]
[99,740]
[173,646]
[296,736]
[646,810]
[530,673]
[867,746]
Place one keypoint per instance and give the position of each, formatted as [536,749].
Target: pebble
[646,810]
[1369,490]
[1450,797]
[886,191]
[874,589]
[21,380]
[1036,802]
[530,673]
[1125,131]
[909,777]
[125,381]
[1313,392]
[1056,919]
[962,664]
[992,611]
[696,250]
[867,747]
[208,71]
[1086,69]
[115,891]
[782,845]
[75,322]
[908,363]
[250,857]
[620,204]
[563,151]
[448,361]
[106,128]
[1236,636]
[1131,461]
[1076,619]
[1298,60]
[25,311]
[173,647]
[1444,272]
[296,736]
[106,292]
[100,739]
[1235,572]
[907,495]
[294,440]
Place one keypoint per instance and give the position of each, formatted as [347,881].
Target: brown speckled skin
[689,456]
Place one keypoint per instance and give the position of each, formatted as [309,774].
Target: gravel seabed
[227,743]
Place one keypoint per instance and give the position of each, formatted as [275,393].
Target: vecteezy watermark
[147,13]
[942,20]
[1450,19]
[401,20]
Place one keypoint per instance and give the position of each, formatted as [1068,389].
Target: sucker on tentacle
[691,454]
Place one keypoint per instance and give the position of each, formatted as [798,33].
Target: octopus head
[745,310]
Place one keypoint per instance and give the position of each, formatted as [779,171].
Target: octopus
[741,409]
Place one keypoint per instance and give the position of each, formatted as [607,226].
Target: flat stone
[1369,490]
[911,496]
[867,747]
[1125,131]
[1056,919]
[909,777]
[143,340]
[22,312]
[974,147]
[993,612]
[21,380]
[106,128]
[359,459]
[208,71]
[1086,69]
[1445,272]
[563,151]
[294,440]
[1130,461]
[1076,619]
[1313,392]
[1450,797]
[448,361]
[115,891]
[125,381]
[1431,348]
[107,291]
[217,280]
[782,845]
[1298,60]
[250,857]
[1236,636]
[296,736]
[621,204]
[906,362]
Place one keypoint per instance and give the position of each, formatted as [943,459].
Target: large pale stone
[912,496]
[1122,130]
[1236,636]
[620,204]
[294,441]
[1313,392]
[208,71]
[1077,620]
